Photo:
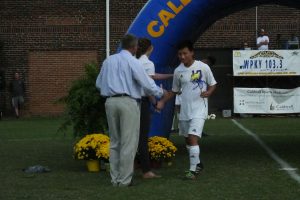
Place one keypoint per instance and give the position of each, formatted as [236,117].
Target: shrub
[84,105]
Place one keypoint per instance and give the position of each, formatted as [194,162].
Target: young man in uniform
[196,83]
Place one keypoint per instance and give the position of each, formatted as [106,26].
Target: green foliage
[84,105]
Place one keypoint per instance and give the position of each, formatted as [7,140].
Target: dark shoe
[131,184]
[190,175]
[199,168]
[204,134]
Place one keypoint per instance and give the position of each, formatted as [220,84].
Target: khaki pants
[123,116]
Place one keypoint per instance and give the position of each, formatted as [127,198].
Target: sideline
[272,154]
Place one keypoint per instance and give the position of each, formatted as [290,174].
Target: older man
[121,80]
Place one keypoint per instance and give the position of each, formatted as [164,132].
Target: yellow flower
[161,148]
[92,146]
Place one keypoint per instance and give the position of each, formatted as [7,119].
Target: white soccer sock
[194,157]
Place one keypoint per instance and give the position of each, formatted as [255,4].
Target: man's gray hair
[129,41]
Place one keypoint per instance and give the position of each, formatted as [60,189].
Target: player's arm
[212,84]
[210,90]
[175,89]
[161,76]
[161,103]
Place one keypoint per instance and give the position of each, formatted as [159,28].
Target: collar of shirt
[144,58]
[126,53]
[182,67]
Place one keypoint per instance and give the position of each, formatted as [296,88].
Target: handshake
[160,104]
[167,95]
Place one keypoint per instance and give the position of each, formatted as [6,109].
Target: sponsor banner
[266,63]
[266,100]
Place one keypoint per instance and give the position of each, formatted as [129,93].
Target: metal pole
[107,29]
[256,21]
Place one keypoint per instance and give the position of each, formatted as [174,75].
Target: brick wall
[50,74]
[233,30]
[28,28]
[32,28]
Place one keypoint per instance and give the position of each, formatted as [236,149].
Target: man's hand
[166,97]
[205,94]
[152,100]
[208,93]
[160,105]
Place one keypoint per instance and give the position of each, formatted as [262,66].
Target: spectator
[17,89]
[262,41]
[143,52]
[121,80]
[294,38]
[293,42]
[246,46]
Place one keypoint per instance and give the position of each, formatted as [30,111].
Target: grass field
[236,166]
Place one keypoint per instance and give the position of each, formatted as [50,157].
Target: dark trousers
[145,119]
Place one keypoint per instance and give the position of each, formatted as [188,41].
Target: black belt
[119,95]
[145,98]
[123,95]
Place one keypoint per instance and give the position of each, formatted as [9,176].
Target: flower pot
[93,165]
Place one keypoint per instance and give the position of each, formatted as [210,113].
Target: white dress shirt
[148,66]
[122,73]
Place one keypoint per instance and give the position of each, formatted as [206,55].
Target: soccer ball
[211,116]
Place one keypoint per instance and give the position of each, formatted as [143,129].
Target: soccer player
[196,83]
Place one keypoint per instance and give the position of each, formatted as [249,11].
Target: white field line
[272,154]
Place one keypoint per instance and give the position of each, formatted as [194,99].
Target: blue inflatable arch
[167,22]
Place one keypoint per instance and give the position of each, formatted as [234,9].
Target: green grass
[236,167]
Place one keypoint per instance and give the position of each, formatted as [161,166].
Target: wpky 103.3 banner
[266,63]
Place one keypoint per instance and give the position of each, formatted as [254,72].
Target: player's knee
[193,140]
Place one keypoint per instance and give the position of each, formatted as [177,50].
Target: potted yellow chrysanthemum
[92,147]
[160,149]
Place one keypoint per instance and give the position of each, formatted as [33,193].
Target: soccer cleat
[199,168]
[190,175]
